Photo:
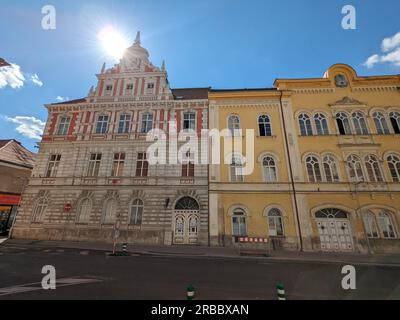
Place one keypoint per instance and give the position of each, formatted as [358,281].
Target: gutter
[291,174]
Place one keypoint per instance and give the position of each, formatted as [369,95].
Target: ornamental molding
[347,101]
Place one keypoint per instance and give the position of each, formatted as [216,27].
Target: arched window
[147,123]
[110,211]
[264,125]
[360,124]
[305,125]
[236,169]
[269,169]
[370,225]
[239,227]
[373,169]
[330,169]
[234,125]
[321,124]
[85,208]
[386,225]
[394,167]
[187,203]
[355,169]
[343,123]
[136,212]
[275,223]
[395,121]
[380,123]
[313,169]
[39,210]
[331,213]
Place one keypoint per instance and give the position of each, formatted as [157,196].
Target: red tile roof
[76,101]
[190,93]
[12,152]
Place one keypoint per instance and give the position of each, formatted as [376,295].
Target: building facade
[16,164]
[327,164]
[93,180]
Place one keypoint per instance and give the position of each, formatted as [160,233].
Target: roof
[190,93]
[245,89]
[76,101]
[12,152]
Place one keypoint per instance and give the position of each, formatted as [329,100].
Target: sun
[113,42]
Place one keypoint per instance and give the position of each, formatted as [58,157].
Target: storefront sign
[10,199]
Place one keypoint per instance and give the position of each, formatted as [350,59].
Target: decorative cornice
[347,101]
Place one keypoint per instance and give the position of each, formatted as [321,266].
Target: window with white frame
[102,124]
[269,169]
[373,169]
[189,121]
[147,122]
[236,169]
[63,126]
[330,169]
[380,123]
[110,211]
[142,165]
[355,169]
[234,125]
[150,88]
[305,125]
[395,121]
[124,123]
[264,126]
[239,227]
[94,165]
[313,169]
[394,167]
[343,123]
[118,164]
[275,223]
[129,87]
[109,89]
[360,123]
[188,165]
[39,210]
[321,124]
[386,225]
[52,166]
[136,212]
[85,208]
[371,227]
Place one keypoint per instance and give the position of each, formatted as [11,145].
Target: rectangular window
[142,165]
[124,123]
[109,87]
[63,126]
[189,121]
[94,165]
[102,125]
[188,167]
[118,164]
[239,226]
[52,166]
[147,122]
[129,86]
[150,88]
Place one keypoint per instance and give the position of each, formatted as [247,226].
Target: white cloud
[372,61]
[391,43]
[11,76]
[61,99]
[387,56]
[28,126]
[35,79]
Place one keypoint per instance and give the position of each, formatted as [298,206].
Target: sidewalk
[220,252]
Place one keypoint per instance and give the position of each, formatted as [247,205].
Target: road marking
[84,253]
[3,240]
[36,286]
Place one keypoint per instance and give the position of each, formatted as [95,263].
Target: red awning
[9,199]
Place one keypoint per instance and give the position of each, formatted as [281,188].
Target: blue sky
[218,43]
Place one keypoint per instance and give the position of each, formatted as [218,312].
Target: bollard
[281,292]
[124,247]
[190,292]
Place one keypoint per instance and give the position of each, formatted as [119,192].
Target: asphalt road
[94,275]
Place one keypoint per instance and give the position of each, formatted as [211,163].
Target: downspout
[291,173]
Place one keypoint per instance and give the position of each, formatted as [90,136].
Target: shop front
[8,209]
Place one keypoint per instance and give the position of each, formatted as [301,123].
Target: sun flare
[113,42]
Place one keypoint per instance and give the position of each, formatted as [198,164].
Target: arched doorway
[186,221]
[334,230]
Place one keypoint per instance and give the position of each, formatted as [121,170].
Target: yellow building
[326,164]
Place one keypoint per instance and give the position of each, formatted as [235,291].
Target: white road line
[3,240]
[36,286]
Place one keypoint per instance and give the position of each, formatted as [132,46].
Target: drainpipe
[291,173]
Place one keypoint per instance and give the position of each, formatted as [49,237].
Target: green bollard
[281,292]
[190,292]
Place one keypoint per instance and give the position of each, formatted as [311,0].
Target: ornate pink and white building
[92,175]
